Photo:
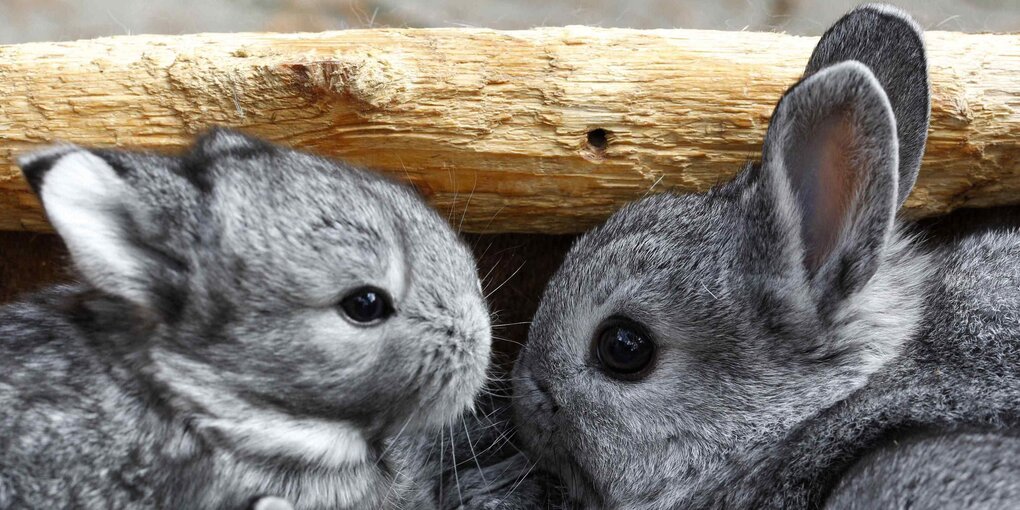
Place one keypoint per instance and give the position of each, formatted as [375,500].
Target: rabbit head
[294,305]
[688,327]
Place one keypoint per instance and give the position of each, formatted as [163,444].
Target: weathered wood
[502,130]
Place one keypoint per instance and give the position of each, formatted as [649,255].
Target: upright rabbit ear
[891,44]
[830,161]
[100,216]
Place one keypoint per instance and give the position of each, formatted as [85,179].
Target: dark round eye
[367,305]
[624,349]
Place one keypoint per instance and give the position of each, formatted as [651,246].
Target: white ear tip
[35,166]
[272,503]
[49,152]
[77,177]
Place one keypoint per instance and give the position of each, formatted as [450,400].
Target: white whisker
[468,204]
[493,291]
[474,455]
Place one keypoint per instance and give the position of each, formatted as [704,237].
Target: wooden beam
[545,130]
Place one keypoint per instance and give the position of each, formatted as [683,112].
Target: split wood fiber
[546,130]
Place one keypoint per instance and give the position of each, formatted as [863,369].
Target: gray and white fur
[796,322]
[204,360]
[920,472]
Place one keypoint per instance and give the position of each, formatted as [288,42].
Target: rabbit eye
[624,350]
[367,305]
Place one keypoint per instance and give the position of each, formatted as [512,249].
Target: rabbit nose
[470,321]
[543,388]
[538,389]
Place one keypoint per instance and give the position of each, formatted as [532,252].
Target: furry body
[208,357]
[954,470]
[82,428]
[958,374]
[796,325]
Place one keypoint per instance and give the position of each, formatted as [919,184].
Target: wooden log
[545,130]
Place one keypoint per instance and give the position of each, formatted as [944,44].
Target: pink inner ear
[828,193]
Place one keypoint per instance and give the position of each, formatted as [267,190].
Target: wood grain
[546,130]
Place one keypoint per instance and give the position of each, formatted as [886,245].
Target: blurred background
[517,265]
[60,20]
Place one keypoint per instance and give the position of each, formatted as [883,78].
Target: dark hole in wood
[598,139]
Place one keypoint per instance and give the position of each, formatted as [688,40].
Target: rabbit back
[959,470]
[75,431]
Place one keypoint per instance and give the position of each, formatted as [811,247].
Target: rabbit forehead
[324,224]
[656,260]
[310,228]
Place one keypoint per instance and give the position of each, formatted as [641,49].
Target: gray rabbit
[254,321]
[745,347]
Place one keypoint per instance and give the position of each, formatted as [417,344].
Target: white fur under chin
[340,472]
[341,475]
[270,434]
[261,432]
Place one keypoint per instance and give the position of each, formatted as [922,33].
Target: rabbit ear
[891,44]
[830,161]
[94,208]
[219,141]
[215,144]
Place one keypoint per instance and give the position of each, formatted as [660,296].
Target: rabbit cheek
[336,337]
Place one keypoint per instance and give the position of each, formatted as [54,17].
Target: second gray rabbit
[253,321]
[744,347]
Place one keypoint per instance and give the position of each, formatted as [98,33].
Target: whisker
[654,184]
[502,440]
[512,324]
[502,339]
[489,223]
[442,448]
[709,291]
[491,269]
[519,482]
[468,204]
[453,205]
[403,167]
[474,455]
[486,250]
[456,476]
[397,437]
[493,291]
